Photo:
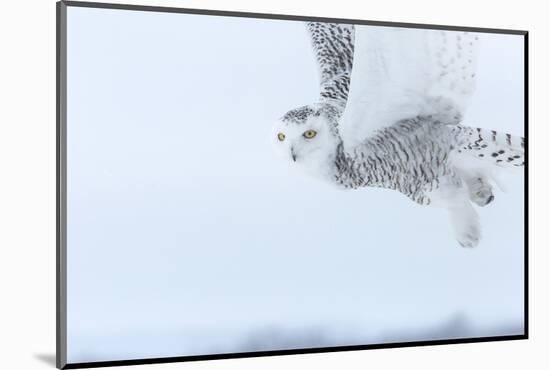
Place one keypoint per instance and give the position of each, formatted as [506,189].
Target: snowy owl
[389,115]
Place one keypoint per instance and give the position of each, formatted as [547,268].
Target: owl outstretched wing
[400,73]
[332,45]
[378,76]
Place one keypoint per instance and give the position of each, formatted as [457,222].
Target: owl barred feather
[333,47]
[410,157]
[389,115]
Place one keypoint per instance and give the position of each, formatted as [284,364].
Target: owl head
[308,136]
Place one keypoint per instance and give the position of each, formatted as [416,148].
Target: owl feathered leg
[465,223]
[480,153]
[454,196]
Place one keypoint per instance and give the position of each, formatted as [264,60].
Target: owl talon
[481,192]
[469,241]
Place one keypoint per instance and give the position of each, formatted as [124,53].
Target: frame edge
[61,188]
[61,197]
[526,179]
[289,17]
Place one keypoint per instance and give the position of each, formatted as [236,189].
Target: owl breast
[411,157]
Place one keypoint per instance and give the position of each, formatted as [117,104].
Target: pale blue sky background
[187,234]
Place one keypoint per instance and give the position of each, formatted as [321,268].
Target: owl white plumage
[389,115]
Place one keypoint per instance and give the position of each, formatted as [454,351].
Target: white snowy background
[187,235]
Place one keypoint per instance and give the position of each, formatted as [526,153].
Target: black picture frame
[61,176]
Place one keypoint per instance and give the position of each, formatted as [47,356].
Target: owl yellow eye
[310,134]
[281,136]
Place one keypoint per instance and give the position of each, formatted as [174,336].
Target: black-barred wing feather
[333,47]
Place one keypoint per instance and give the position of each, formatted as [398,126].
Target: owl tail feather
[503,150]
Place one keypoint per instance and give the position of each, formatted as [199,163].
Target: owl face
[306,136]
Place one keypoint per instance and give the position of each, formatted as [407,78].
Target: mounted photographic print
[235,184]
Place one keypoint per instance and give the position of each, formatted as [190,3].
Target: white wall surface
[27,192]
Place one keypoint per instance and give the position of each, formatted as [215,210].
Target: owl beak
[293,154]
